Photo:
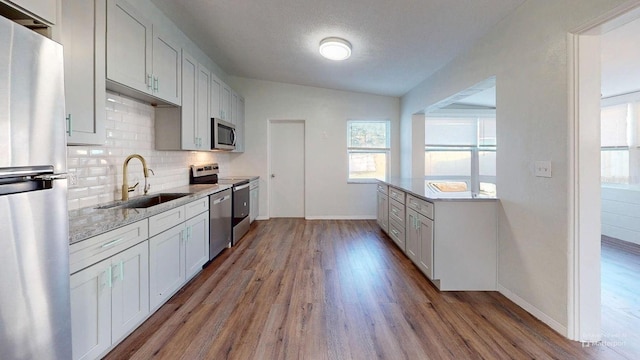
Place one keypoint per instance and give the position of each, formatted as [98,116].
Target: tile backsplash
[129,130]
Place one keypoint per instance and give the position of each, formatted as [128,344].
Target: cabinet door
[254,202]
[203,113]
[383,212]
[166,265]
[225,103]
[426,245]
[91,311]
[216,97]
[412,235]
[83,32]
[166,68]
[130,292]
[189,102]
[129,44]
[196,244]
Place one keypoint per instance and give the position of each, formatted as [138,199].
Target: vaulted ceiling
[396,44]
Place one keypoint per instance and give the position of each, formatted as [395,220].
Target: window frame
[369,150]
[475,179]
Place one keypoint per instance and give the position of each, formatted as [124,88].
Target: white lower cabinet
[178,253]
[108,300]
[119,277]
[254,200]
[383,208]
[196,247]
[166,265]
[425,245]
[91,311]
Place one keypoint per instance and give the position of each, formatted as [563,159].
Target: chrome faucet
[126,189]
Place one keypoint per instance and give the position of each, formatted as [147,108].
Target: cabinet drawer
[396,195]
[383,189]
[396,232]
[197,207]
[166,220]
[396,212]
[98,248]
[423,207]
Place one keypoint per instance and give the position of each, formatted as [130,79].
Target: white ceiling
[396,44]
[621,60]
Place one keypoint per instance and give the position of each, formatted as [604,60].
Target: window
[368,148]
[462,149]
[615,131]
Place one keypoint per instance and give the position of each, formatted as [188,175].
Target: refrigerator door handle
[50,177]
[28,185]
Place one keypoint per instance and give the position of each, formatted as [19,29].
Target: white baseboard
[341,217]
[262,218]
[561,329]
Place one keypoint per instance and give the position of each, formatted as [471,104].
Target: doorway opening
[602,307]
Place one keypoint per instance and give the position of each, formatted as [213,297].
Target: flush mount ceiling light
[334,48]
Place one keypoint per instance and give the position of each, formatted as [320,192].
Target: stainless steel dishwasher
[219,222]
[220,208]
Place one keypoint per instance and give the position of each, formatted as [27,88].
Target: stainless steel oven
[240,215]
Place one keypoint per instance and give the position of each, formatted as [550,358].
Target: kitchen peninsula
[450,236]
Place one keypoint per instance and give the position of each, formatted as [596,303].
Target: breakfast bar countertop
[91,221]
[420,187]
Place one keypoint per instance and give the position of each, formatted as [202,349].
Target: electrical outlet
[543,169]
[73,179]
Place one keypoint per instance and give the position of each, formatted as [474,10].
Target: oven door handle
[241,187]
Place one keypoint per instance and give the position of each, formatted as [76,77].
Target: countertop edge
[397,183]
[88,222]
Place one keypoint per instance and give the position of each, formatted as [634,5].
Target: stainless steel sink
[144,201]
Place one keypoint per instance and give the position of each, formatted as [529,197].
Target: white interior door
[286,181]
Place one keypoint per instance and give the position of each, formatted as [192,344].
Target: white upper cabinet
[84,64]
[216,97]
[225,103]
[43,9]
[140,56]
[129,44]
[166,68]
[203,112]
[189,118]
[187,127]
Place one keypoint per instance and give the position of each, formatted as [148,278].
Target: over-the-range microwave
[223,135]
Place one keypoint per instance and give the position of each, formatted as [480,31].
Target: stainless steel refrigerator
[35,320]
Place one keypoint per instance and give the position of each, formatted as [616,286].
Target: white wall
[528,54]
[130,130]
[621,212]
[325,113]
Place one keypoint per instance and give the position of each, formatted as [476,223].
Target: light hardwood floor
[296,289]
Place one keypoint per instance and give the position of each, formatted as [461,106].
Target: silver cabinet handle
[149,81]
[156,83]
[111,243]
[69,124]
[121,270]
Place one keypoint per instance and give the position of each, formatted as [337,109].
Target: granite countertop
[240,177]
[420,188]
[87,222]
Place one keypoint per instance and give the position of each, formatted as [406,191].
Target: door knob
[273,175]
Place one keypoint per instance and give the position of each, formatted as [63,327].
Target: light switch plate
[543,169]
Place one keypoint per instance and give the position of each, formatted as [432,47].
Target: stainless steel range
[241,222]
[208,174]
